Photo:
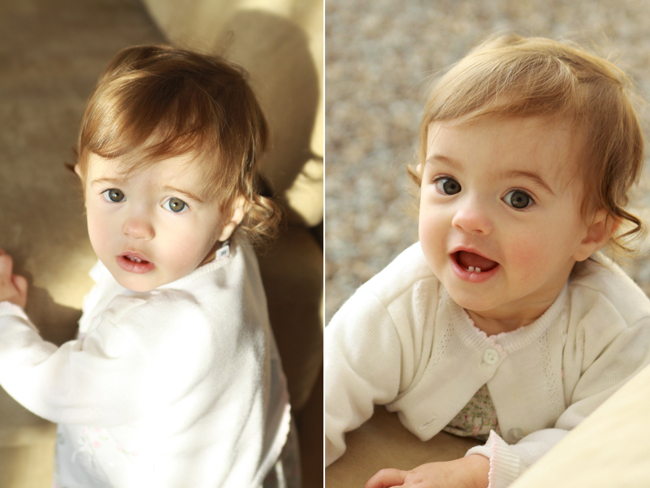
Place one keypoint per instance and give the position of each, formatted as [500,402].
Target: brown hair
[157,102]
[519,77]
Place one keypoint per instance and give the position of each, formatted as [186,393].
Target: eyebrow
[445,160]
[530,175]
[184,192]
[112,181]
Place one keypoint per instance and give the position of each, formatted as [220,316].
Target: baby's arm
[122,371]
[468,472]
[364,366]
[75,383]
[13,288]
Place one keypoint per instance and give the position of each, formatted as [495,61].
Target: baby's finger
[20,282]
[386,478]
[6,265]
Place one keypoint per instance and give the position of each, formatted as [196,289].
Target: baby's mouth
[134,262]
[134,259]
[474,263]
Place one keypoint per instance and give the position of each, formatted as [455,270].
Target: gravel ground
[380,55]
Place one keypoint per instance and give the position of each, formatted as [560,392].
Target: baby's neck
[493,326]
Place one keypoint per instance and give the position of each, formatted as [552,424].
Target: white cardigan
[181,386]
[401,341]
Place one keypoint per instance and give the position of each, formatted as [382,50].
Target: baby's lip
[134,262]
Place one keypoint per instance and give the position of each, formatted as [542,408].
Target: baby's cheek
[433,249]
[180,256]
[187,252]
[99,234]
[528,257]
[432,230]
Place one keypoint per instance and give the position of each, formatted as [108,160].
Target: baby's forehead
[526,142]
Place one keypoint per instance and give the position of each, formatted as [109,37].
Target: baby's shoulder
[158,314]
[406,275]
[603,288]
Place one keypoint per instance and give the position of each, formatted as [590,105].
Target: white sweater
[178,387]
[401,341]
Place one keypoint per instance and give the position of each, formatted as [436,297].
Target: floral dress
[477,418]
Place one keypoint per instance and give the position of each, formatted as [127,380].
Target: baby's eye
[175,205]
[447,186]
[113,195]
[518,199]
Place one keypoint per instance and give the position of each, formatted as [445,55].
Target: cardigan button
[491,357]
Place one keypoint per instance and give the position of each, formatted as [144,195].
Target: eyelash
[122,197]
[183,209]
[444,179]
[524,192]
[106,196]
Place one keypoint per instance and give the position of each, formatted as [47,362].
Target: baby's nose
[138,228]
[473,218]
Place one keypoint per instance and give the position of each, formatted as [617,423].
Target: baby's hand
[13,288]
[468,472]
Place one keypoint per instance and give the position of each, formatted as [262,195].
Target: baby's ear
[236,216]
[77,170]
[600,230]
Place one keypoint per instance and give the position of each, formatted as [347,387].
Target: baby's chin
[149,281]
[139,283]
[471,302]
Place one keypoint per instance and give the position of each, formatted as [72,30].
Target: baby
[504,322]
[174,380]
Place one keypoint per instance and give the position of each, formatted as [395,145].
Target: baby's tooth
[470,269]
[478,270]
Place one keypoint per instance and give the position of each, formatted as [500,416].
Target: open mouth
[474,263]
[134,263]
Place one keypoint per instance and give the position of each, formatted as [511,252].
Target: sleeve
[119,372]
[363,356]
[607,364]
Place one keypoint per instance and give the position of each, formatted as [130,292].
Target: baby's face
[152,227]
[500,221]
